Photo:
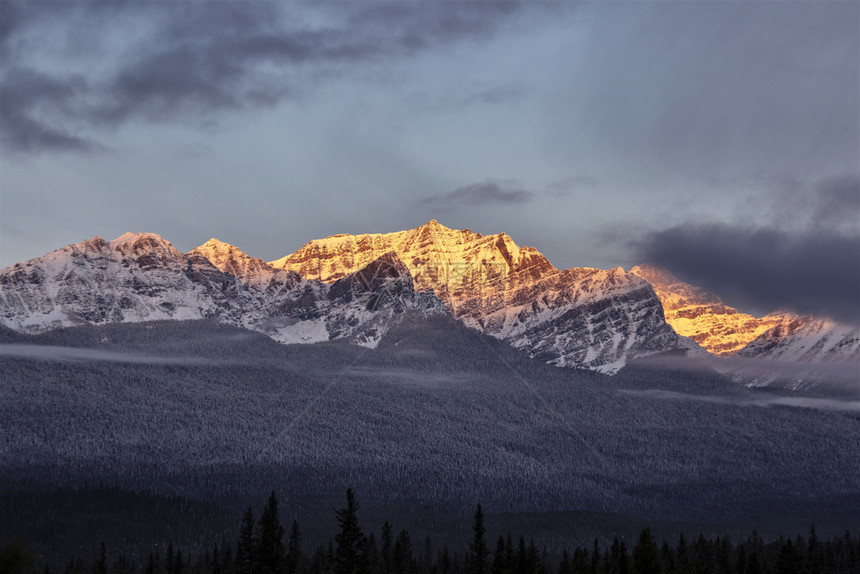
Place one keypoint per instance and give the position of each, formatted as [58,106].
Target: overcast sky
[721,139]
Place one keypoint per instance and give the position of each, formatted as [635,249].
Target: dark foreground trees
[260,548]
[350,556]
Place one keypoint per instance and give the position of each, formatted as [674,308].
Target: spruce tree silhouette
[349,557]
[477,561]
[270,555]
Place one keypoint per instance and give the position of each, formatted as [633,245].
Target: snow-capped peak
[700,314]
[252,271]
[351,285]
[511,292]
[147,248]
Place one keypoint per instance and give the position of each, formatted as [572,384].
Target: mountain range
[428,380]
[356,287]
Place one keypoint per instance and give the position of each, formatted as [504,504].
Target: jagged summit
[435,255]
[215,243]
[575,317]
[134,237]
[349,286]
[231,259]
[701,315]
[355,286]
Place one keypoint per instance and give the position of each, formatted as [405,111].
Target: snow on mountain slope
[253,272]
[701,315]
[142,277]
[461,267]
[779,349]
[136,277]
[807,340]
[803,353]
[367,303]
[359,306]
[579,317]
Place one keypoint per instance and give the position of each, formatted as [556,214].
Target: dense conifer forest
[264,545]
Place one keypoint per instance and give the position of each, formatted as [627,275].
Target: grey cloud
[488,191]
[420,25]
[698,88]
[827,205]
[837,203]
[496,95]
[570,185]
[28,102]
[764,269]
[186,60]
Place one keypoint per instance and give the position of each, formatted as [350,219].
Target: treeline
[265,546]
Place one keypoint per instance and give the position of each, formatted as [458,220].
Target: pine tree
[499,565]
[580,561]
[646,557]
[724,555]
[371,551]
[788,561]
[684,564]
[404,554]
[387,548]
[535,564]
[349,558]
[227,557]
[813,553]
[595,557]
[245,546]
[15,557]
[427,559]
[270,555]
[477,561]
[754,564]
[152,565]
[294,551]
[444,561]
[216,560]
[100,566]
[178,563]
[565,566]
[667,558]
[524,559]
[510,554]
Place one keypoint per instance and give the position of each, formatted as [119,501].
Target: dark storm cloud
[488,191]
[25,95]
[186,60]
[806,257]
[765,269]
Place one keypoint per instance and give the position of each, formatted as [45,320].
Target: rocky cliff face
[350,287]
[579,317]
[136,277]
[142,277]
[462,268]
[800,354]
[807,340]
[780,349]
[701,315]
[357,287]
[254,273]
